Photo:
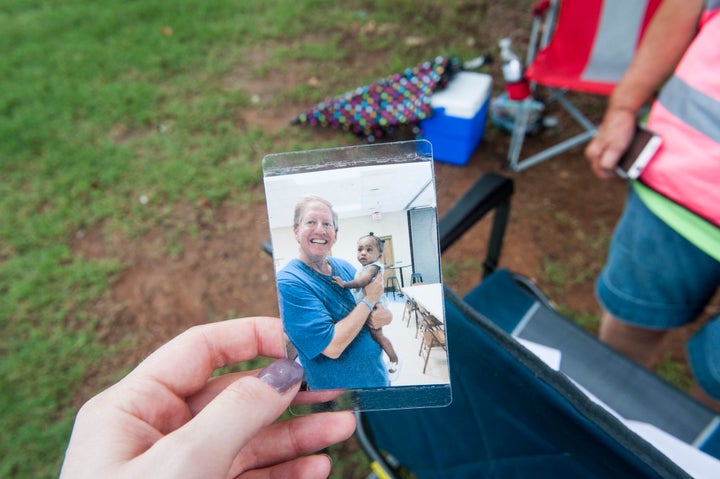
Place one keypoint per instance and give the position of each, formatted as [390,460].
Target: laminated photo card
[357,263]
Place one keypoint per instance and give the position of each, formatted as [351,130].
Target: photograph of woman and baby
[331,330]
[341,324]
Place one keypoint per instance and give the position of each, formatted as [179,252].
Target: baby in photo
[369,252]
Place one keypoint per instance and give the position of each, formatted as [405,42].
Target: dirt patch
[171,282]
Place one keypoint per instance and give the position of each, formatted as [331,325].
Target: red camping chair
[582,46]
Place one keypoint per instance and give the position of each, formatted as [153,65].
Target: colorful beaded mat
[375,110]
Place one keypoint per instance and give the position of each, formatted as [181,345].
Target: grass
[113,112]
[575,269]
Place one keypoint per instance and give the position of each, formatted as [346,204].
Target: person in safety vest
[663,265]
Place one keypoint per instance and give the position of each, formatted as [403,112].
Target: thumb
[210,442]
[610,158]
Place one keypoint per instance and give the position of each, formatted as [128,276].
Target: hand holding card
[641,150]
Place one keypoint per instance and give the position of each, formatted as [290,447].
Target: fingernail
[282,374]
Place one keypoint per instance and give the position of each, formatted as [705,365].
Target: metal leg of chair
[520,129]
[559,148]
[424,346]
[497,234]
[368,444]
[421,328]
[518,134]
[407,313]
[427,358]
[577,114]
[428,351]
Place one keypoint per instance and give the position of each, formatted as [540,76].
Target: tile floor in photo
[407,347]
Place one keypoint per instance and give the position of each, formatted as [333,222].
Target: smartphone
[642,149]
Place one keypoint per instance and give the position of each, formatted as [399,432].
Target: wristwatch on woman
[368,303]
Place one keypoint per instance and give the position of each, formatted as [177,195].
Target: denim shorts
[655,278]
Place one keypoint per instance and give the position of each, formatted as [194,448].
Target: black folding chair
[513,416]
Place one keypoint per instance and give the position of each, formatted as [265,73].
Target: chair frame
[433,336]
[545,16]
[589,130]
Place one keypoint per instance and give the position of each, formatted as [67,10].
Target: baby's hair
[380,243]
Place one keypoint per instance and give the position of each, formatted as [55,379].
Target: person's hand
[613,138]
[168,419]
[375,289]
[339,281]
[380,316]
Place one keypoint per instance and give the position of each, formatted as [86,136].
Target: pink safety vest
[687,116]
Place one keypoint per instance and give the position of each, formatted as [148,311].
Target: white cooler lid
[464,96]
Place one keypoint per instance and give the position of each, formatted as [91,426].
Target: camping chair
[514,416]
[579,46]
[433,336]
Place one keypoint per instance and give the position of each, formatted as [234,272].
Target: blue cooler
[458,117]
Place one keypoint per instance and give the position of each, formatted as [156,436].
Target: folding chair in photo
[577,46]
[433,336]
[587,412]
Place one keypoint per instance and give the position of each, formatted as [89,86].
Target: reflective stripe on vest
[621,26]
[687,116]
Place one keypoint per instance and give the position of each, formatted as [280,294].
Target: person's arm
[348,328]
[168,421]
[667,37]
[381,316]
[363,278]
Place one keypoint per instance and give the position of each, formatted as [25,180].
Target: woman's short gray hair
[305,201]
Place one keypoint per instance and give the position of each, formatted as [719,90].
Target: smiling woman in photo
[324,323]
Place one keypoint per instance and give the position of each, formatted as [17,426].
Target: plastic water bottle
[516,85]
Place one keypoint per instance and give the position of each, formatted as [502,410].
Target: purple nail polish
[282,374]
